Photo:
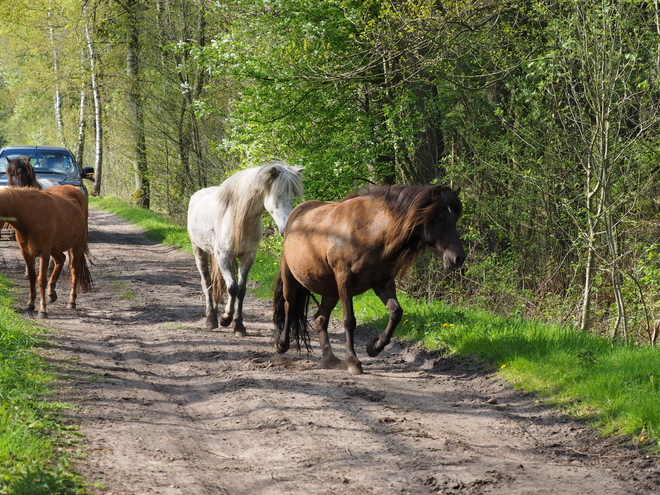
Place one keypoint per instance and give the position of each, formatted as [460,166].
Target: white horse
[224,225]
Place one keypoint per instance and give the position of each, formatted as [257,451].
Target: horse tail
[218,285]
[84,279]
[298,323]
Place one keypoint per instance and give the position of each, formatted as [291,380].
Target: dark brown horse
[21,174]
[50,223]
[339,250]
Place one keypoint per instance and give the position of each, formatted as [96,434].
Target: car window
[43,162]
[52,162]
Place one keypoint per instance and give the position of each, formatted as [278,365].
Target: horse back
[325,242]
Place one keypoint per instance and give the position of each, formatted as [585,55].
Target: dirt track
[169,407]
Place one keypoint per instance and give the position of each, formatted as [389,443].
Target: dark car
[54,163]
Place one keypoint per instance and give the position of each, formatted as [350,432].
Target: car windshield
[43,161]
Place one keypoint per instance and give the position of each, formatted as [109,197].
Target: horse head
[440,233]
[285,184]
[20,173]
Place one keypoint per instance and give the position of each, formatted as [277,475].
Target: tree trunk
[58,98]
[142,195]
[98,121]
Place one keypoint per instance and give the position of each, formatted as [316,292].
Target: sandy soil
[168,407]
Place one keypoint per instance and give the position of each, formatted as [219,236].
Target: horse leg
[353,364]
[227,272]
[243,270]
[321,321]
[32,279]
[387,294]
[76,260]
[290,288]
[42,279]
[58,259]
[202,262]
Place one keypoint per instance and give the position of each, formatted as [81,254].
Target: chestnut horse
[365,241]
[48,224]
[20,173]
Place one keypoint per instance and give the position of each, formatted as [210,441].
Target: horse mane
[245,190]
[411,206]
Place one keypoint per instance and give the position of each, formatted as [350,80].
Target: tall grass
[32,434]
[615,386]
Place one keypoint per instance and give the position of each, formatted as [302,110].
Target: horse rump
[298,322]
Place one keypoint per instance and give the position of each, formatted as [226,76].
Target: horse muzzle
[453,260]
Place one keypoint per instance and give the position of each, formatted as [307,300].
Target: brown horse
[48,224]
[20,173]
[339,250]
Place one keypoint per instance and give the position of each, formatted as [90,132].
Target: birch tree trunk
[98,121]
[58,98]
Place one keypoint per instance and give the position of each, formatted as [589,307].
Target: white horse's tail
[218,285]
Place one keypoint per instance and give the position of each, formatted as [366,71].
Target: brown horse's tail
[84,278]
[218,286]
[298,325]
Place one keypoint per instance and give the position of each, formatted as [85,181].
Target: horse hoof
[28,309]
[211,323]
[355,368]
[226,320]
[239,331]
[42,315]
[372,351]
[52,297]
[332,363]
[281,348]
[70,305]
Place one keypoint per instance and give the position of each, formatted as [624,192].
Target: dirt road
[168,407]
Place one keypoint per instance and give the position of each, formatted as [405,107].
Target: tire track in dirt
[169,407]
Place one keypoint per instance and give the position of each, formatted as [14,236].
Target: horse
[48,224]
[225,225]
[339,250]
[21,174]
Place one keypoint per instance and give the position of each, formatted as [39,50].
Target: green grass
[32,434]
[615,387]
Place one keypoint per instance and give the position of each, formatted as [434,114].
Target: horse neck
[246,213]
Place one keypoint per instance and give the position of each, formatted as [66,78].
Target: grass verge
[33,438]
[614,386]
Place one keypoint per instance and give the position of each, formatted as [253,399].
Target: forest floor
[168,407]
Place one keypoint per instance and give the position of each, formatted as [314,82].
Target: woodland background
[544,113]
